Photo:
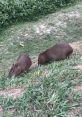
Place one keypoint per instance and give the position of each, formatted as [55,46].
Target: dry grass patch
[79,66]
[73,112]
[14,92]
[78,88]
[77,46]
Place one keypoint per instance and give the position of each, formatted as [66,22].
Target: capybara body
[22,64]
[58,52]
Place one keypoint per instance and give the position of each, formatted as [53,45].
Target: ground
[53,90]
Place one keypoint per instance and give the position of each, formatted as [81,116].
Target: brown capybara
[58,52]
[22,64]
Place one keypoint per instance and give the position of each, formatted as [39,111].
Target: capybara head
[22,64]
[15,70]
[41,59]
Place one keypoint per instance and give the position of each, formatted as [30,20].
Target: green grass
[48,87]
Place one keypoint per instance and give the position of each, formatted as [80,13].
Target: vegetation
[49,89]
[15,10]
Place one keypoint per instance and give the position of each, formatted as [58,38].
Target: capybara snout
[22,64]
[58,52]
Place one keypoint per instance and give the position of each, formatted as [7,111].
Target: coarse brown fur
[22,64]
[58,52]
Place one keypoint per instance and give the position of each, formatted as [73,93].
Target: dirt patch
[77,46]
[79,67]
[73,112]
[78,88]
[34,61]
[10,111]
[14,92]
[73,14]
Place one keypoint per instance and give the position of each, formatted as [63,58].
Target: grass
[47,88]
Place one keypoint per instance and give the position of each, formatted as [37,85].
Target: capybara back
[58,52]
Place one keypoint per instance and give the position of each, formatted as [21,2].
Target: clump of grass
[47,96]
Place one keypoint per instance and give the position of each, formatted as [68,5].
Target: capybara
[22,64]
[58,52]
